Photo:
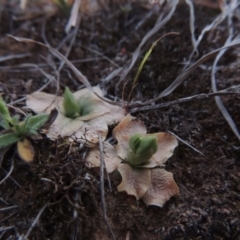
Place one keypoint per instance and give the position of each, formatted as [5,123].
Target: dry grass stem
[14,56]
[123,71]
[218,100]
[187,144]
[9,173]
[73,16]
[25,237]
[186,99]
[104,209]
[56,53]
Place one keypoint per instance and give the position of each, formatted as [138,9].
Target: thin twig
[159,24]
[102,186]
[75,31]
[43,65]
[12,179]
[182,100]
[14,56]
[102,55]
[220,18]
[6,228]
[8,208]
[185,73]
[192,28]
[79,75]
[56,53]
[9,173]
[218,100]
[34,223]
[48,76]
[123,71]
[181,140]
[16,109]
[73,15]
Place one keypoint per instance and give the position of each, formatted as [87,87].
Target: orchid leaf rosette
[138,157]
[81,115]
[15,131]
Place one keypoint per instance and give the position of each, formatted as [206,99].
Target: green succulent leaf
[30,125]
[8,139]
[34,123]
[142,149]
[70,104]
[136,161]
[4,124]
[15,119]
[19,130]
[5,115]
[135,141]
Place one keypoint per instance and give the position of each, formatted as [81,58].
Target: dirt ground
[57,196]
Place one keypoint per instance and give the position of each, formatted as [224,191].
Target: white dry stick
[218,100]
[8,208]
[73,38]
[9,173]
[57,54]
[158,25]
[185,73]
[236,90]
[192,28]
[48,76]
[14,56]
[228,10]
[102,186]
[25,237]
[23,4]
[78,74]
[127,236]
[181,140]
[73,16]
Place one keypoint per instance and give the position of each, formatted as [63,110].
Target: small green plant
[16,131]
[71,106]
[142,148]
[81,114]
[139,158]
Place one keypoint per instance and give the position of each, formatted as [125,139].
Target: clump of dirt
[57,196]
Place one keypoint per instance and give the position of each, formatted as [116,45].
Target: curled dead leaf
[135,181]
[166,145]
[161,189]
[110,158]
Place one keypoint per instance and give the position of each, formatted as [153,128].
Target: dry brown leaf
[111,159]
[89,131]
[135,181]
[41,102]
[166,145]
[161,189]
[64,127]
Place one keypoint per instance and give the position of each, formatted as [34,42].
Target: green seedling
[142,149]
[17,132]
[70,104]
[74,108]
